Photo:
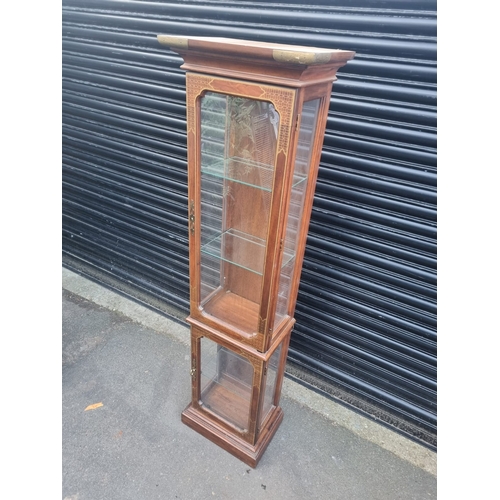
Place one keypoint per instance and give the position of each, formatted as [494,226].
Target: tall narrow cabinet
[256,117]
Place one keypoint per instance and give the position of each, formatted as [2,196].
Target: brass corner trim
[301,57]
[179,42]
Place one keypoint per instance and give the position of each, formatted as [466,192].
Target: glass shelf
[242,250]
[243,171]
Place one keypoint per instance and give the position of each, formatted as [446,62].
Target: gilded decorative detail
[195,84]
[179,42]
[282,99]
[262,325]
[191,218]
[298,57]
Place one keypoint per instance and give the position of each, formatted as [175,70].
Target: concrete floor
[134,446]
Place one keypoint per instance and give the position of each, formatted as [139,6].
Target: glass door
[238,149]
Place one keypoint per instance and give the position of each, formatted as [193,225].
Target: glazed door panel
[239,173]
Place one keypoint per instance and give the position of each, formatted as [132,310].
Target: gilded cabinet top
[279,53]
[290,54]
[289,65]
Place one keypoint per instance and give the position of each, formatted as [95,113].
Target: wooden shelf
[237,311]
[228,401]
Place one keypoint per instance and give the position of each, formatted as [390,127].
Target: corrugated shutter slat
[366,311]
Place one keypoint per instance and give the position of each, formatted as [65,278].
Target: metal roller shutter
[366,311]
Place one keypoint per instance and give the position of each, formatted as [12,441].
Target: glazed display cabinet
[256,116]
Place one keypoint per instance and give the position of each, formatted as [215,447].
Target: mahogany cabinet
[256,117]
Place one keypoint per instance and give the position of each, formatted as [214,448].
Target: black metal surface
[366,312]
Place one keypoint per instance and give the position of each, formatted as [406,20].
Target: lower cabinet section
[235,391]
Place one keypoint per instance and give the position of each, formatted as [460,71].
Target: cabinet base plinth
[232,443]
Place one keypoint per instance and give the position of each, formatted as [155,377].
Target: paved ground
[134,446]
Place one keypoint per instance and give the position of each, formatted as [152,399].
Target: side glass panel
[301,170]
[238,149]
[270,389]
[226,383]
